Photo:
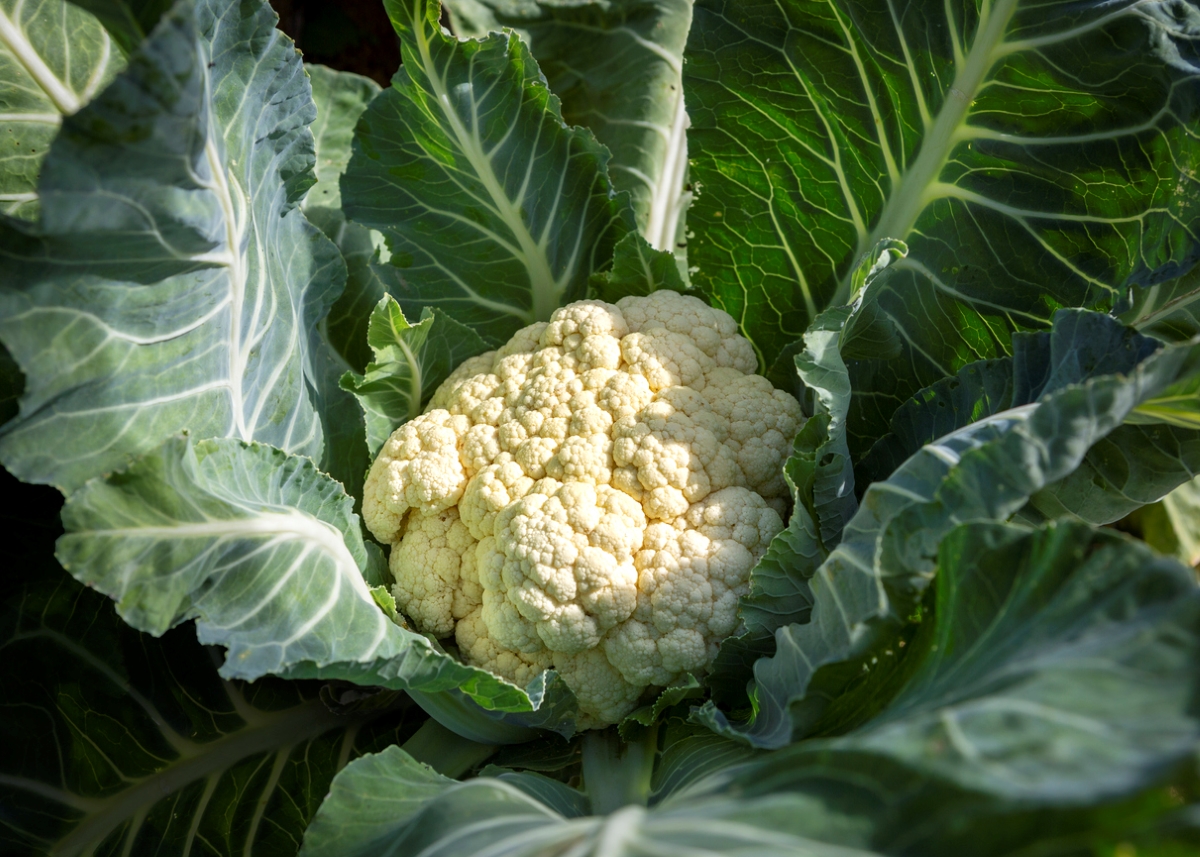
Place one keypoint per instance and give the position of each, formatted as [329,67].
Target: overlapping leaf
[985,471]
[54,58]
[1032,155]
[821,477]
[1046,697]
[265,552]
[1054,673]
[120,743]
[494,211]
[171,283]
[616,66]
[411,361]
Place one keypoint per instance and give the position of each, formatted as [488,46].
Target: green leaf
[120,743]
[127,21]
[1131,467]
[1031,155]
[616,66]
[341,98]
[54,58]
[638,269]
[265,552]
[494,211]
[411,362]
[1053,677]
[171,283]
[985,471]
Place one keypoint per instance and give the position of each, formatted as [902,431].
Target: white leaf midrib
[545,288]
[910,196]
[14,38]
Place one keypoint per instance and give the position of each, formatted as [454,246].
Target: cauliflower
[591,497]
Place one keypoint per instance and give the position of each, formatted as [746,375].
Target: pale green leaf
[265,552]
[493,210]
[54,58]
[120,743]
[171,282]
[127,21]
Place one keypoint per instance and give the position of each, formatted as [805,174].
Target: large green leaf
[118,743]
[411,361]
[1032,155]
[340,98]
[1134,465]
[1054,671]
[265,552]
[616,66]
[494,211]
[1168,310]
[53,59]
[171,282]
[985,471]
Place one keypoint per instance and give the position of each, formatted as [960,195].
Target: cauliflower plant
[590,497]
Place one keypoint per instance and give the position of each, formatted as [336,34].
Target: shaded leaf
[985,471]
[638,269]
[341,98]
[120,743]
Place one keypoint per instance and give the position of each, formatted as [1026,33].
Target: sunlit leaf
[494,211]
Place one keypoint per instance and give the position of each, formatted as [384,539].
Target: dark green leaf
[116,742]
[638,269]
[493,210]
[1031,155]
[341,98]
[985,471]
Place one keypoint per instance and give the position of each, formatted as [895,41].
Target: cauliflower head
[590,497]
